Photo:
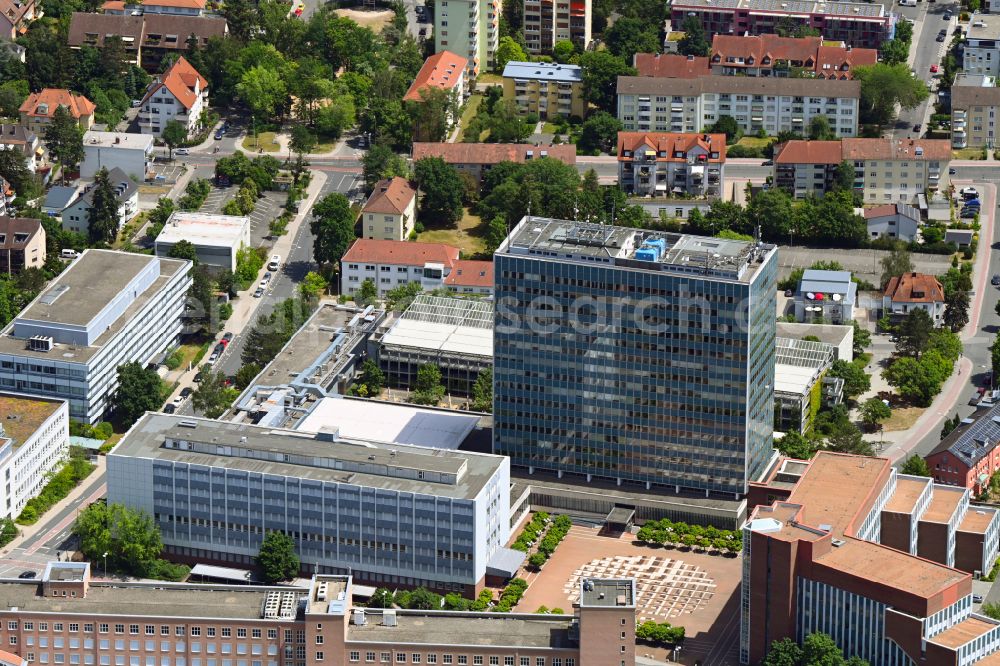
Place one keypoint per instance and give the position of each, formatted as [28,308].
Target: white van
[907,3]
[275,263]
[68,254]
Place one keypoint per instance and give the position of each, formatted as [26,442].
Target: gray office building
[633,355]
[388,514]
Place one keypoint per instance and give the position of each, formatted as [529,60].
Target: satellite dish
[837,297]
[810,295]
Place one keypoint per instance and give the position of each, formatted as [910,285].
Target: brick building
[969,455]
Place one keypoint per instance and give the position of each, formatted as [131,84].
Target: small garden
[547,533]
[667,532]
[75,469]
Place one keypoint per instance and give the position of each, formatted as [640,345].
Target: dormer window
[716,58]
[766,60]
[626,153]
[679,153]
[750,60]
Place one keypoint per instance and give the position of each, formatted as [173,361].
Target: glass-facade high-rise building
[634,355]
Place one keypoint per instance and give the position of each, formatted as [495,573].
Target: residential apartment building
[179,7]
[217,239]
[547,22]
[660,164]
[969,456]
[857,24]
[546,89]
[772,104]
[914,291]
[22,244]
[36,112]
[671,65]
[470,276]
[148,37]
[880,561]
[15,15]
[7,197]
[129,153]
[76,216]
[885,170]
[469,29]
[391,210]
[981,55]
[34,439]
[388,513]
[699,411]
[66,615]
[107,308]
[391,263]
[23,140]
[476,159]
[180,94]
[444,71]
[975,102]
[771,55]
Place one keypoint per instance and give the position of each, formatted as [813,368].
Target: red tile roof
[77,105]
[180,80]
[914,288]
[392,197]
[896,149]
[469,273]
[186,4]
[880,211]
[671,143]
[762,51]
[442,70]
[838,62]
[808,152]
[493,153]
[671,65]
[400,253]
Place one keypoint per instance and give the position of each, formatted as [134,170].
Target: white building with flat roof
[132,153]
[107,309]
[216,238]
[34,437]
[982,46]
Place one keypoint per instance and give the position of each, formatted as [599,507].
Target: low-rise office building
[840,337]
[176,624]
[656,164]
[969,456]
[880,561]
[180,94]
[828,296]
[390,264]
[387,513]
[22,244]
[37,111]
[106,309]
[216,238]
[548,22]
[132,153]
[981,53]
[800,385]
[914,291]
[34,438]
[548,90]
[76,215]
[774,105]
[772,55]
[391,210]
[476,159]
[975,101]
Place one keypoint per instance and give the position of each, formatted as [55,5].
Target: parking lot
[268,207]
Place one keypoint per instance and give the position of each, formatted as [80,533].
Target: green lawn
[754,142]
[264,140]
[489,78]
[549,128]
[968,154]
[465,237]
[468,113]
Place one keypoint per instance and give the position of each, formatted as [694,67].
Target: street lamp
[105,564]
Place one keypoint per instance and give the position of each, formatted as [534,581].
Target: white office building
[390,264]
[132,153]
[34,437]
[389,514]
[108,308]
[216,238]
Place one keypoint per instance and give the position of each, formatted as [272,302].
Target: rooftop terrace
[22,415]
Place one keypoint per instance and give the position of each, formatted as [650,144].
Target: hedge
[73,471]
[666,531]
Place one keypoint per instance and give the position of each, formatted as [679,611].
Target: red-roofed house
[390,211]
[912,291]
[671,65]
[476,159]
[15,15]
[445,71]
[658,163]
[180,93]
[772,55]
[179,7]
[391,263]
[471,277]
[40,107]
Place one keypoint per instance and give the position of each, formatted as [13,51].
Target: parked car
[940,38]
[952,171]
[947,16]
[969,193]
[213,358]
[968,214]
[198,377]
[996,280]
[977,598]
[219,348]
[170,409]
[219,133]
[182,151]
[916,128]
[789,293]
[28,574]
[186,391]
[227,337]
[934,69]
[259,292]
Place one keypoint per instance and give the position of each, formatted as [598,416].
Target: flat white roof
[793,379]
[117,140]
[447,325]
[224,573]
[205,229]
[390,423]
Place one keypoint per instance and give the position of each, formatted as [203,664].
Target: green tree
[874,411]
[332,226]
[862,338]
[843,180]
[313,286]
[694,42]
[884,86]
[127,539]
[174,134]
[399,298]
[64,140]
[599,133]
[496,234]
[277,558]
[8,531]
[629,36]
[14,169]
[138,392]
[381,162]
[441,190]
[432,114]
[245,375]
[821,130]
[102,226]
[916,466]
[367,293]
[482,391]
[914,380]
[508,50]
[894,51]
[335,116]
[785,652]
[727,125]
[212,397]
[263,91]
[427,388]
[564,51]
[897,262]
[949,425]
[856,381]
[913,333]
[184,249]
[381,598]
[302,142]
[904,31]
[371,380]
[819,649]
[956,312]
[796,446]
[601,70]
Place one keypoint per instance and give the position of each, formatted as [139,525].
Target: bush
[511,595]
[667,531]
[195,194]
[74,470]
[225,311]
[174,360]
[164,570]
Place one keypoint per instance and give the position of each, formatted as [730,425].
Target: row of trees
[554,535]
[666,531]
[125,540]
[818,649]
[73,470]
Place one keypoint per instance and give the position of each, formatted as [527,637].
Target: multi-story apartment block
[67,617]
[657,164]
[15,15]
[775,105]
[547,89]
[547,22]
[885,170]
[975,105]
[771,55]
[34,438]
[387,513]
[106,309]
[469,29]
[970,455]
[390,264]
[671,65]
[652,355]
[858,24]
[22,244]
[131,153]
[476,159]
[391,210]
[442,71]
[982,46]
[880,561]
[179,7]
[37,111]
[180,94]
